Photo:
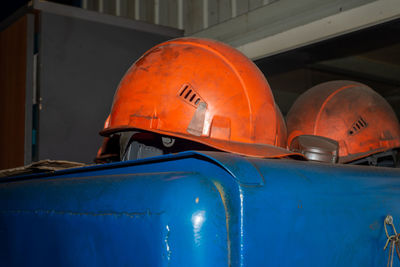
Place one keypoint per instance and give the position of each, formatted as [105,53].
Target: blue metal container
[196,209]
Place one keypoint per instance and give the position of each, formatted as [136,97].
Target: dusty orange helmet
[204,91]
[351,113]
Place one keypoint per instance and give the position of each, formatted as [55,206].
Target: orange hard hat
[203,91]
[351,113]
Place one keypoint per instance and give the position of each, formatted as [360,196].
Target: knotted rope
[393,241]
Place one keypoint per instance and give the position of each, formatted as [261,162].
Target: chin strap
[392,240]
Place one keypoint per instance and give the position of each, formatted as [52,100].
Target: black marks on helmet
[357,126]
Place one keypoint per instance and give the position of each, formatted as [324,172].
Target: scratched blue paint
[193,209]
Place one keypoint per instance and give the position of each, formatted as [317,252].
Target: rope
[393,241]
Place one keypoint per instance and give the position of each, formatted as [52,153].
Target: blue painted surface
[193,209]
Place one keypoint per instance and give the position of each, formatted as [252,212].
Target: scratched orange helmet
[351,113]
[203,91]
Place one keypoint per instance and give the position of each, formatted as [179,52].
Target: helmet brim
[240,148]
[353,157]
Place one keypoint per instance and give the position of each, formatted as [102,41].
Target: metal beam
[345,22]
[285,25]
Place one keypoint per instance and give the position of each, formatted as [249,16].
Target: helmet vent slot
[189,95]
[357,126]
[183,90]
